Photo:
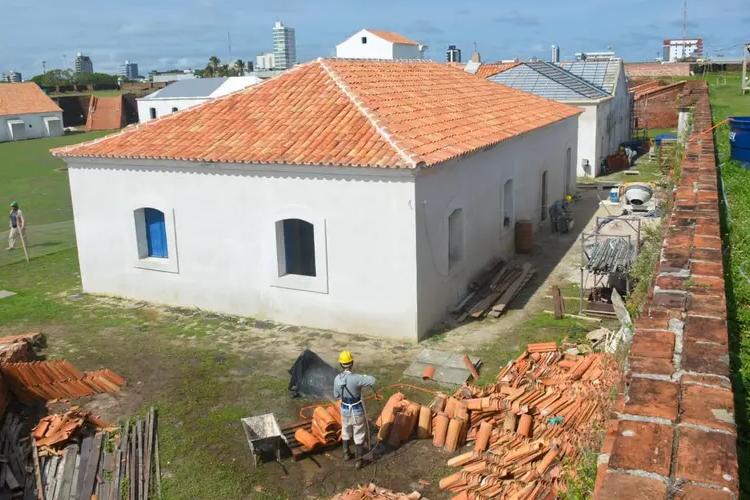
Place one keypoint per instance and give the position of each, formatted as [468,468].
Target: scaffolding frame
[596,276]
[745,83]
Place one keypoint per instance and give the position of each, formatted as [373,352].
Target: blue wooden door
[156,233]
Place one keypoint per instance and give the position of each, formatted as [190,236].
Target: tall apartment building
[453,54]
[680,49]
[83,64]
[129,70]
[284,46]
[12,77]
[555,56]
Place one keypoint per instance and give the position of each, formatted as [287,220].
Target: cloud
[517,19]
[422,26]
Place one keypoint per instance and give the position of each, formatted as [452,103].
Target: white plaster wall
[588,140]
[36,120]
[224,233]
[613,121]
[475,184]
[375,48]
[235,83]
[164,106]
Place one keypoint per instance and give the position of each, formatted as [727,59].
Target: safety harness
[349,402]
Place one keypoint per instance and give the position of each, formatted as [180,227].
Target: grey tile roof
[193,87]
[550,81]
[603,74]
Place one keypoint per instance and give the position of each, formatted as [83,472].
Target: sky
[167,34]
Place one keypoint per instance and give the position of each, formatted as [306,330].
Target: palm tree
[239,67]
[214,63]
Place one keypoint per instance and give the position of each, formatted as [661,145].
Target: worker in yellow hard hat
[347,388]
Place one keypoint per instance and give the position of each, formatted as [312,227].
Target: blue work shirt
[347,387]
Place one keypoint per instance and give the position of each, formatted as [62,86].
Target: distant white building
[682,48]
[265,61]
[284,46]
[187,93]
[26,112]
[13,77]
[314,199]
[129,71]
[375,44]
[172,76]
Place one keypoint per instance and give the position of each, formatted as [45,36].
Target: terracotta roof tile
[487,70]
[395,114]
[393,37]
[27,97]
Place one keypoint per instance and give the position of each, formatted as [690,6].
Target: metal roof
[550,81]
[603,74]
[193,87]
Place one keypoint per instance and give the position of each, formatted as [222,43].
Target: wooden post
[23,243]
[558,302]
[37,471]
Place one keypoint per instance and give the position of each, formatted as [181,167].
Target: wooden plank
[84,457]
[557,300]
[58,479]
[148,450]
[92,466]
[37,474]
[133,466]
[74,481]
[158,467]
[71,454]
[139,453]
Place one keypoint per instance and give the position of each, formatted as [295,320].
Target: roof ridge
[381,129]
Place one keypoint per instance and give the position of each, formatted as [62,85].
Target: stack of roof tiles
[539,411]
[50,380]
[14,348]
[400,419]
[325,428]
[373,492]
[55,430]
[358,113]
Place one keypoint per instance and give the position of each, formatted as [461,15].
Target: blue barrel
[739,138]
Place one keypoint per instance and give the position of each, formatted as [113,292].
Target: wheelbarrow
[263,436]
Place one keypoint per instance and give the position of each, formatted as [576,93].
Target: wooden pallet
[295,447]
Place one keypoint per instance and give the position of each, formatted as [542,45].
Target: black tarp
[311,376]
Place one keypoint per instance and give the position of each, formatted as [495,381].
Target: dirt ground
[206,371]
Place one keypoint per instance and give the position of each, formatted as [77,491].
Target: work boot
[358,455]
[348,450]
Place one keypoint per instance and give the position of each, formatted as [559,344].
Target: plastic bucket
[739,138]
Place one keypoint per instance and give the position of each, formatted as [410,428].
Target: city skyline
[198,29]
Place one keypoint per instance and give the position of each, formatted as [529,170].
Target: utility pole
[684,28]
[229,45]
[44,67]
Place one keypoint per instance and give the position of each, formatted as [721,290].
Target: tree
[239,67]
[54,77]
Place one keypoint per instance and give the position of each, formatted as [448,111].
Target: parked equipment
[263,436]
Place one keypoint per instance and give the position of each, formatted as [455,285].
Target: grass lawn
[39,182]
[726,100]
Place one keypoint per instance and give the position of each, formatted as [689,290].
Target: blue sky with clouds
[163,34]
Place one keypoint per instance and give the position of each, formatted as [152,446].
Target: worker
[347,388]
[17,225]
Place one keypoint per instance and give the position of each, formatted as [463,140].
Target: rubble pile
[373,492]
[538,412]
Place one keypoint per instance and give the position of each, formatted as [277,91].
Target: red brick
[714,380]
[619,485]
[671,300]
[707,457]
[653,321]
[708,305]
[667,282]
[707,285]
[654,366]
[700,241]
[709,254]
[709,406]
[653,344]
[698,328]
[694,492]
[642,446]
[652,398]
[700,268]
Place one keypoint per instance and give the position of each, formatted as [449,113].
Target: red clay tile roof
[27,97]
[393,37]
[397,114]
[487,70]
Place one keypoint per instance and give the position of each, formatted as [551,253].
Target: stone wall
[673,433]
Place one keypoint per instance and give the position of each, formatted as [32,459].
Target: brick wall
[656,69]
[657,107]
[673,433]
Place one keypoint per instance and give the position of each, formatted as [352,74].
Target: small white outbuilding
[358,196]
[377,44]
[184,94]
[26,112]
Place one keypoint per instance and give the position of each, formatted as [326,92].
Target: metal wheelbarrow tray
[264,436]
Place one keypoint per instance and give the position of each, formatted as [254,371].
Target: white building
[172,76]
[375,44]
[313,199]
[599,88]
[26,112]
[284,46]
[680,49]
[184,94]
[265,61]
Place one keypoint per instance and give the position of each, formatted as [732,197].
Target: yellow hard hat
[346,358]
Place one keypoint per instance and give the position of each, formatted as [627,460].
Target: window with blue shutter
[156,233]
[299,247]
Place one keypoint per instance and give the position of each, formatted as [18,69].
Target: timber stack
[494,289]
[373,492]
[539,412]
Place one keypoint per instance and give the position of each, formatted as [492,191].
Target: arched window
[156,233]
[296,239]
